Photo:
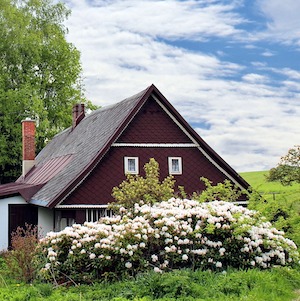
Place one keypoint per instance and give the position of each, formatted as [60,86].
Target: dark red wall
[153,125]
[97,188]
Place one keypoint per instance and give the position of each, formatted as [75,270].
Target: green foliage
[40,76]
[279,204]
[148,189]
[185,285]
[288,170]
[225,191]
[20,260]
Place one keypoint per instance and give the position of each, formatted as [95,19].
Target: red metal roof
[25,190]
[43,173]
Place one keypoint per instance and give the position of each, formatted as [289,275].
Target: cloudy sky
[230,67]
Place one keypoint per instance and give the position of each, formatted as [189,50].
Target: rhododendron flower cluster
[168,235]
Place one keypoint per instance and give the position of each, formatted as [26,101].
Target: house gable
[153,132]
[152,125]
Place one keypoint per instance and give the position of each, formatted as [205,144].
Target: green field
[271,190]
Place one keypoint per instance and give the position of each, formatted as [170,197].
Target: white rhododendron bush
[169,235]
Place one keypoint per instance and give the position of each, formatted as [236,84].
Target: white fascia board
[155,145]
[79,206]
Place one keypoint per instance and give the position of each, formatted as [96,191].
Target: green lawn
[271,190]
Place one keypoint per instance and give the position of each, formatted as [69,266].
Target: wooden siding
[97,188]
[153,125]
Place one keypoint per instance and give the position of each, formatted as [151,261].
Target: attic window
[175,165]
[131,165]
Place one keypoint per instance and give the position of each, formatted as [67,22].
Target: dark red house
[71,179]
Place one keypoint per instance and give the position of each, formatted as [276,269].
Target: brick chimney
[28,141]
[78,114]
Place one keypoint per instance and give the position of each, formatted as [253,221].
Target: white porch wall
[4,218]
[45,220]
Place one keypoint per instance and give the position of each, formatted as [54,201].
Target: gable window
[175,165]
[131,165]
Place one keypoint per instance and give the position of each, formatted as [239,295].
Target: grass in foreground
[276,284]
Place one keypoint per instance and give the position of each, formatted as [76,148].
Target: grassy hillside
[271,190]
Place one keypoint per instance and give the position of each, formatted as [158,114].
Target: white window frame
[175,172]
[136,165]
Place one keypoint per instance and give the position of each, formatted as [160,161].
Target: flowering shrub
[168,235]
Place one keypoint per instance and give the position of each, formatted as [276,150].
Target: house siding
[97,188]
[153,125]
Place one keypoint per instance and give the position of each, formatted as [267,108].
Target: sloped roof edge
[92,164]
[15,188]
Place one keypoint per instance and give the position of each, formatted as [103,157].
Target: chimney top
[78,114]
[28,142]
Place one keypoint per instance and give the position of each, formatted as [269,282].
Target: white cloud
[127,45]
[255,78]
[283,18]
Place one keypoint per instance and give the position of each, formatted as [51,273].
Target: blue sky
[230,67]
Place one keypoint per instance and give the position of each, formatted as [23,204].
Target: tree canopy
[40,76]
[288,169]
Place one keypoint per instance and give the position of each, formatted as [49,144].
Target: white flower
[157,270]
[128,265]
[83,251]
[92,256]
[218,264]
[154,258]
[185,257]
[167,249]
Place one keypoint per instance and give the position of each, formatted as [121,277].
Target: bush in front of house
[170,235]
[19,258]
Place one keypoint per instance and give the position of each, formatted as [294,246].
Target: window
[131,165]
[64,218]
[175,166]
[93,215]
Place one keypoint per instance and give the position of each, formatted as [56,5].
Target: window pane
[131,164]
[175,165]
